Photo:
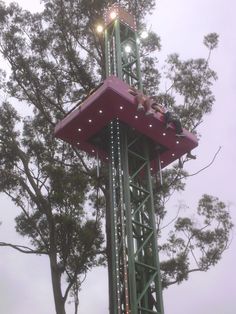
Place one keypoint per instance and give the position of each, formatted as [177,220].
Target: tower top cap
[116,11]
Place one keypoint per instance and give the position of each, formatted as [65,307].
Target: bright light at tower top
[99,28]
[144,34]
[128,49]
[113,15]
[117,12]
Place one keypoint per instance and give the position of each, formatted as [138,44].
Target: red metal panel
[112,100]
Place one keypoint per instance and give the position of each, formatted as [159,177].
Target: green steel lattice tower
[106,125]
[134,272]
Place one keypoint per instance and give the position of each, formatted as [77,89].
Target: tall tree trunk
[56,285]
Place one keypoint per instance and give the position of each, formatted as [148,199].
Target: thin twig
[176,216]
[22,248]
[204,168]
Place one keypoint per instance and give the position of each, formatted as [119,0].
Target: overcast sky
[25,285]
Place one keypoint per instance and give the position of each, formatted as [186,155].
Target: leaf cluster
[196,244]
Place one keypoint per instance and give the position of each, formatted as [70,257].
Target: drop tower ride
[134,145]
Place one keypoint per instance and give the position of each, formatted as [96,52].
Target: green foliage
[198,242]
[189,94]
[211,41]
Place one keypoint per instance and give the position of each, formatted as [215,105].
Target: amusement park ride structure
[107,124]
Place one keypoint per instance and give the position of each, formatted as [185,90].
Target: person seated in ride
[149,104]
[170,117]
[143,102]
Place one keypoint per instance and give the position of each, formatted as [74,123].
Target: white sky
[25,285]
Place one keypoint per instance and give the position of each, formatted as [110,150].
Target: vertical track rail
[136,272]
[123,222]
[120,260]
[114,216]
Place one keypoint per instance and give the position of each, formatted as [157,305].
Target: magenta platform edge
[111,101]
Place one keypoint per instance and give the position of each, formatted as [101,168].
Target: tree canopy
[54,59]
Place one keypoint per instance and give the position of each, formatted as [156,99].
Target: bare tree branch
[204,168]
[172,220]
[23,249]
